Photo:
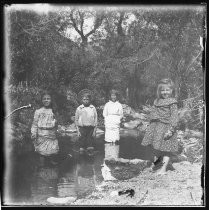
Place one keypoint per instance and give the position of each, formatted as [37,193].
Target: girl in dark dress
[161,133]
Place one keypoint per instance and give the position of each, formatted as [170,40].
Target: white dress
[113,113]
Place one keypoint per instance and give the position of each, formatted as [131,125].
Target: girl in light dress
[43,130]
[113,113]
[161,133]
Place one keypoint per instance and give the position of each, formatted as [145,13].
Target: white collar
[82,106]
[113,102]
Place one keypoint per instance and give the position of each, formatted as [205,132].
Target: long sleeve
[105,112]
[95,117]
[34,127]
[76,116]
[121,111]
[174,115]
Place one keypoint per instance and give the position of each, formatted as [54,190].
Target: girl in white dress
[113,113]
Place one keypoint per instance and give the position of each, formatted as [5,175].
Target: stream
[75,175]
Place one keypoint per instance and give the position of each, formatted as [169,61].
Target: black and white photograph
[104,105]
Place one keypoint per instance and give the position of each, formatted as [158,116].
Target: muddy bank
[182,186]
[179,187]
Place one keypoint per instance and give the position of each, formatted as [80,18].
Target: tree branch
[97,23]
[119,25]
[82,20]
[74,24]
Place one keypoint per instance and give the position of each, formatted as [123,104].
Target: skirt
[154,136]
[112,128]
[46,144]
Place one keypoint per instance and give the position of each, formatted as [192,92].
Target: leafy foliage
[130,50]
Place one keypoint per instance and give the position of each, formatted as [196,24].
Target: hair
[169,83]
[46,92]
[87,95]
[52,105]
[113,91]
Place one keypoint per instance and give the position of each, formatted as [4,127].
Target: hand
[33,136]
[95,133]
[78,133]
[167,135]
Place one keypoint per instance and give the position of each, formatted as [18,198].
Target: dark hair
[113,91]
[168,82]
[47,92]
[87,95]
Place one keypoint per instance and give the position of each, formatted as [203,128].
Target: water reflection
[111,151]
[44,184]
[66,181]
[85,176]
[75,175]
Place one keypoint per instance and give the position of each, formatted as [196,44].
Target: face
[113,97]
[86,101]
[165,91]
[46,100]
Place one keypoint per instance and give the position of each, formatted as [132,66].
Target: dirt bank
[179,187]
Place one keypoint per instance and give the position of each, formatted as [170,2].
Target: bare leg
[165,164]
[42,160]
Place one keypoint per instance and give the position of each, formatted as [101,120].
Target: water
[74,175]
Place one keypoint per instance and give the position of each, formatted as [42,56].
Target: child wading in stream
[113,114]
[43,131]
[161,133]
[86,124]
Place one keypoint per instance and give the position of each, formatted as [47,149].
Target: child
[113,113]
[86,124]
[43,130]
[161,133]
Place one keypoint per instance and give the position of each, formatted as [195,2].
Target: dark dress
[163,116]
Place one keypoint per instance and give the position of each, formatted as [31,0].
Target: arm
[121,111]
[76,121]
[105,112]
[95,121]
[34,127]
[174,116]
[173,121]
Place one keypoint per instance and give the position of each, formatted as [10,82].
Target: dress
[163,116]
[44,127]
[113,112]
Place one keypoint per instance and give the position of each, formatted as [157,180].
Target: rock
[144,126]
[106,173]
[99,131]
[178,158]
[140,116]
[132,124]
[127,110]
[114,193]
[64,200]
[196,134]
[123,169]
